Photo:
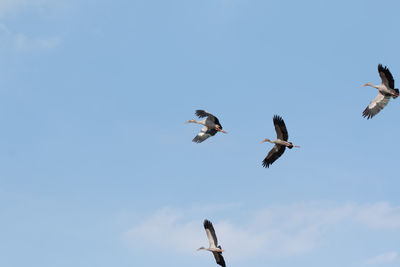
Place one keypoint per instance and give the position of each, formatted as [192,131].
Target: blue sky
[97,167]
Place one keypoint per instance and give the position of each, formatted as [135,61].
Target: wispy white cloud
[164,230]
[276,231]
[20,41]
[380,215]
[383,258]
[14,6]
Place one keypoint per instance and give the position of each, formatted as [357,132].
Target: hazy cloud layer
[20,41]
[383,258]
[13,6]
[276,231]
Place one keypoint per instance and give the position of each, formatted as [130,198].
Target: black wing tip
[367,114]
[277,117]
[266,164]
[196,139]
[278,120]
[383,69]
[201,113]
[207,224]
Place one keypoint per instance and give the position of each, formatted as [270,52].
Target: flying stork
[385,91]
[211,126]
[212,239]
[280,143]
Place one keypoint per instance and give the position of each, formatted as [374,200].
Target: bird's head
[266,140]
[189,121]
[200,248]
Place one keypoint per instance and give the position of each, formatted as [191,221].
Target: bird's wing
[219,258]
[204,134]
[212,237]
[376,105]
[280,128]
[202,113]
[386,76]
[273,155]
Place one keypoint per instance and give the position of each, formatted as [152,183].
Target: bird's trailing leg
[222,131]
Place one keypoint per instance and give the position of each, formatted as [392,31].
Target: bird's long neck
[194,121]
[267,140]
[372,85]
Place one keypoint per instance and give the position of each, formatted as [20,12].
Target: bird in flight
[211,126]
[386,90]
[280,143]
[212,239]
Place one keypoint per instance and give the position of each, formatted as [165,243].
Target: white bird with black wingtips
[211,126]
[280,143]
[386,91]
[212,239]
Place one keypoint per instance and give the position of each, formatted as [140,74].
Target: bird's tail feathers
[397,91]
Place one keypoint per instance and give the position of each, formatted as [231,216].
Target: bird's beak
[364,85]
[187,121]
[222,131]
[265,140]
